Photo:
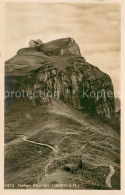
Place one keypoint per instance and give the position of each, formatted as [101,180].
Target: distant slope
[117,104]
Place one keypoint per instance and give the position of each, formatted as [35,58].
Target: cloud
[90,49]
[109,63]
[105,61]
[95,27]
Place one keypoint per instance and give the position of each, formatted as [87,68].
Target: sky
[94,26]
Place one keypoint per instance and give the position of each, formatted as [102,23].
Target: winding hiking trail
[108,179]
[40,144]
[24,138]
[19,138]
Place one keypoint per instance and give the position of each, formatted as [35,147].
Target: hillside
[62,138]
[86,148]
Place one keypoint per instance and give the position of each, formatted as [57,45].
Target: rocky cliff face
[58,70]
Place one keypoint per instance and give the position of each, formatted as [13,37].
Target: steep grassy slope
[86,148]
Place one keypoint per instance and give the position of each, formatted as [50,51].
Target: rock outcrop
[66,46]
[58,67]
[117,104]
[34,43]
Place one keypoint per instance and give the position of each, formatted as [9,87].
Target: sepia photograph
[62,92]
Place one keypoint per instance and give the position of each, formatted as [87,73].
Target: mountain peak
[63,47]
[59,66]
